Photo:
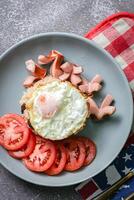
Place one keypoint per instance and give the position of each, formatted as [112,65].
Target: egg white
[71,114]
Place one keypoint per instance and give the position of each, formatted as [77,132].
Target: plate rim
[92,43]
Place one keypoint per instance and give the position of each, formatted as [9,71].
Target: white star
[126,170]
[124,186]
[127,157]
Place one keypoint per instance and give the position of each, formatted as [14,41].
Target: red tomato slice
[90,149]
[42,157]
[26,150]
[59,162]
[14,131]
[1,134]
[75,154]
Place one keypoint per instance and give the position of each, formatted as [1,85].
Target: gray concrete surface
[22,18]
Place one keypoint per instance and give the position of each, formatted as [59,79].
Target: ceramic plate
[109,134]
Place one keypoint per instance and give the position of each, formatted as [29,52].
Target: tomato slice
[14,131]
[59,162]
[75,154]
[1,134]
[26,150]
[42,157]
[90,149]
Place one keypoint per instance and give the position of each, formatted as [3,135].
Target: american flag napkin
[116,35]
[124,191]
[117,169]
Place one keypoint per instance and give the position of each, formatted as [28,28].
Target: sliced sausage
[93,108]
[55,70]
[64,76]
[108,110]
[107,101]
[83,88]
[29,81]
[96,79]
[93,87]
[35,69]
[67,67]
[77,69]
[43,60]
[75,79]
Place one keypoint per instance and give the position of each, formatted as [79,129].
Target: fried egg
[55,109]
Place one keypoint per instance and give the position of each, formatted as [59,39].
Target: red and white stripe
[88,190]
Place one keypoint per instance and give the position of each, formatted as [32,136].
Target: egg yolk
[47,106]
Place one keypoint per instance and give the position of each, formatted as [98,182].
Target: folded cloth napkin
[116,35]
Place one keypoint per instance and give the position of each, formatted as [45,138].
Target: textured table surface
[22,18]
